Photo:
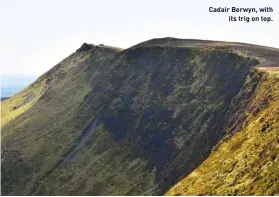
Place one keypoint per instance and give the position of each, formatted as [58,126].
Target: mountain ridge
[167,107]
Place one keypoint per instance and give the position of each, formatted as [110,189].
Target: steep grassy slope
[246,161]
[40,128]
[112,122]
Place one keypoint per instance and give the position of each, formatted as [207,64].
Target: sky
[36,35]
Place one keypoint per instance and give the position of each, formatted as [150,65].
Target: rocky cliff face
[107,121]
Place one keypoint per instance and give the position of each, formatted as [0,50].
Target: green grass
[247,163]
[9,107]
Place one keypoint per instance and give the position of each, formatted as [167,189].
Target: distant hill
[186,117]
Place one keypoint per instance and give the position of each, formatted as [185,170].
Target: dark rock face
[85,47]
[172,106]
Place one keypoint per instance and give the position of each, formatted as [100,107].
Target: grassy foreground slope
[246,161]
[107,121]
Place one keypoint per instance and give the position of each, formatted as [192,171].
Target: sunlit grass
[247,164]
